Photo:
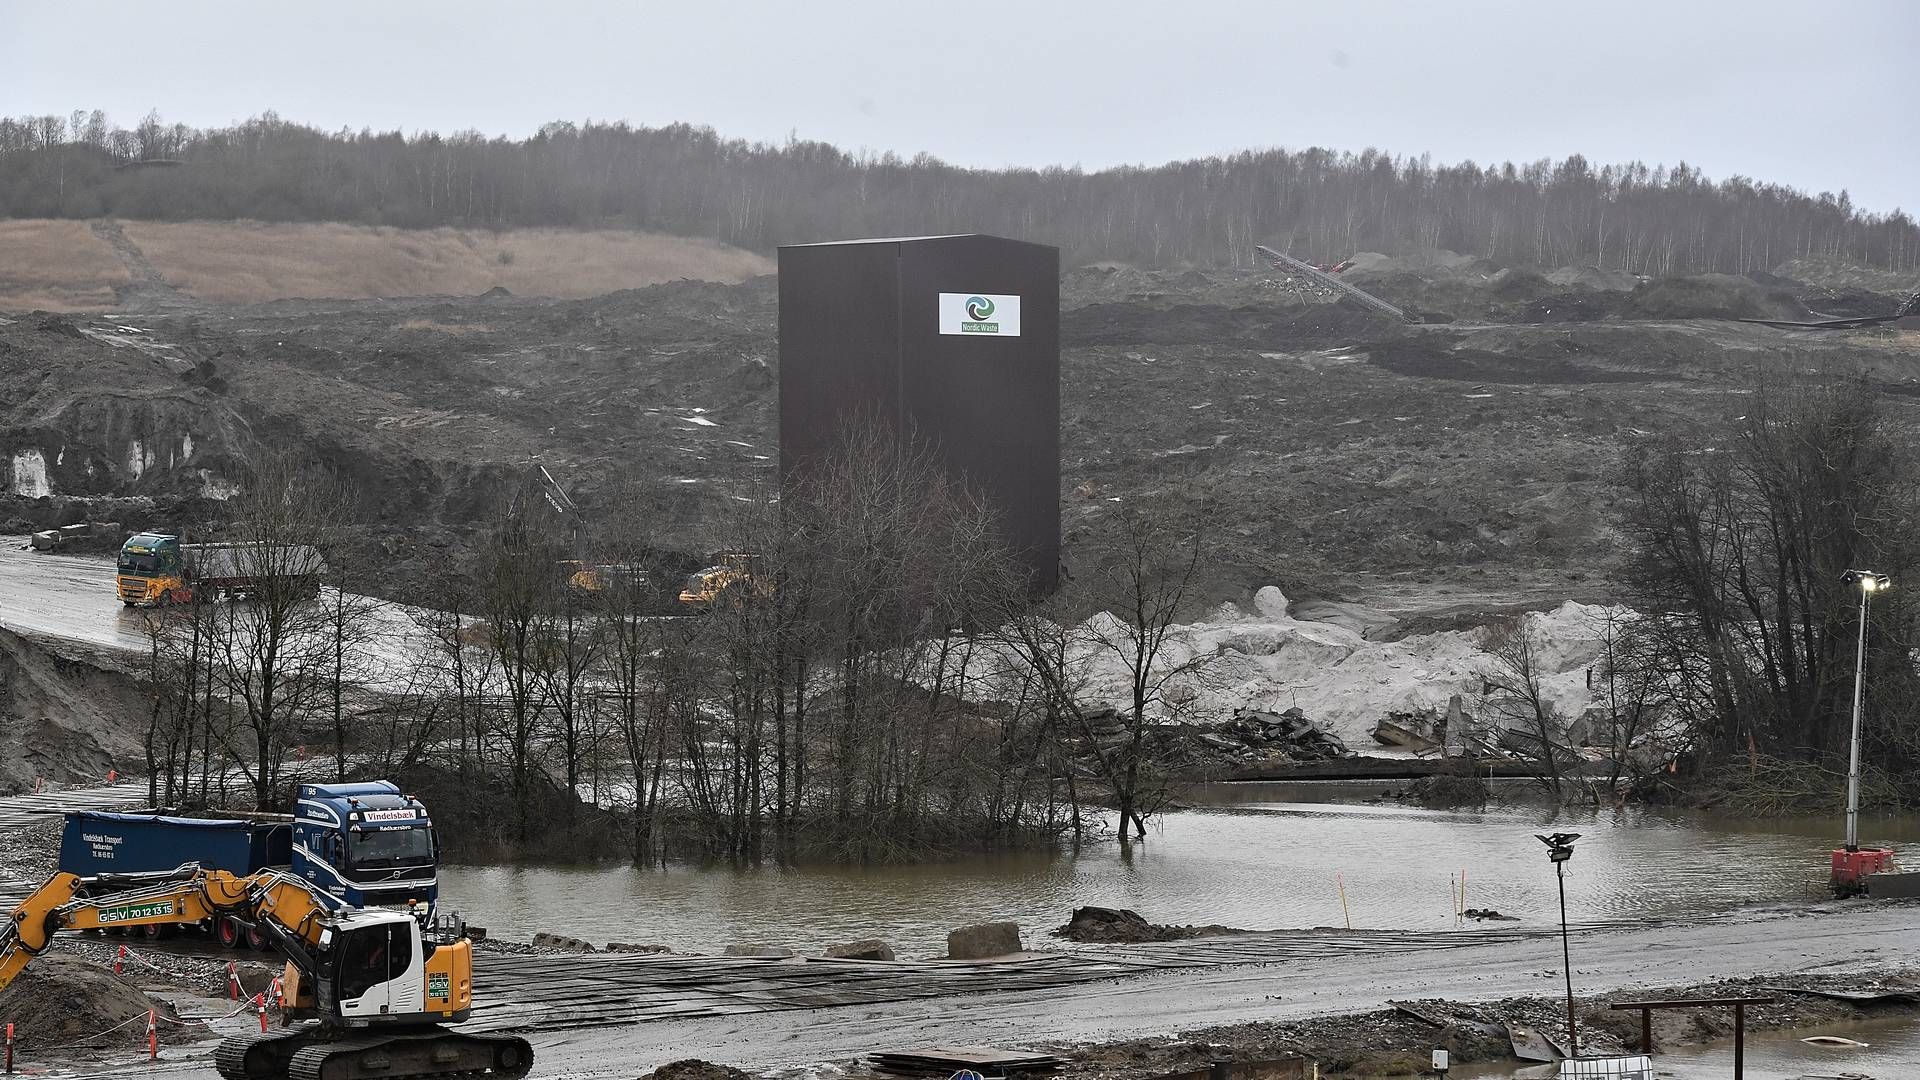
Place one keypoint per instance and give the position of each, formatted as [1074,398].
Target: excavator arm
[381,989]
[283,906]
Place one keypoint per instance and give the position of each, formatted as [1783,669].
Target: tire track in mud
[547,992]
[146,286]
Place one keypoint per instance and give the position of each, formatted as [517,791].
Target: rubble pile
[1259,737]
[1248,737]
[1093,925]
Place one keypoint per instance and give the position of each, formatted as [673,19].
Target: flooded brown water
[1257,856]
[1892,1052]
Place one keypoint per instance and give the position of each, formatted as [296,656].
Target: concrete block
[870,949]
[982,940]
[562,942]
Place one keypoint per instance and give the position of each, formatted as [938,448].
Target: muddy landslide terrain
[1330,450]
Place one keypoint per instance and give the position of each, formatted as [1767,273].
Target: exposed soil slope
[82,266]
[1328,450]
[63,718]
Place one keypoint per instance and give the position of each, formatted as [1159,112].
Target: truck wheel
[227,932]
[158,931]
[258,941]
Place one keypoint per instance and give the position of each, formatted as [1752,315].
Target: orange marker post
[119,957]
[260,1006]
[153,1038]
[233,981]
[9,1047]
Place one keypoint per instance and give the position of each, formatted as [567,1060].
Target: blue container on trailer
[98,842]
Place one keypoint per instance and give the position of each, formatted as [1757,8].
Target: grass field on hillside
[56,265]
[62,265]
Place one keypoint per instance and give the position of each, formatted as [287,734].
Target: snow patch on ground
[30,474]
[1270,660]
[215,486]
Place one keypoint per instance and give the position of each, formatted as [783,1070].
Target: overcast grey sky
[1818,96]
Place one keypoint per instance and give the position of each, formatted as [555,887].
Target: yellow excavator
[733,576]
[368,992]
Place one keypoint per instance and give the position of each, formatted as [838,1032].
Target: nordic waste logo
[979,310]
[979,314]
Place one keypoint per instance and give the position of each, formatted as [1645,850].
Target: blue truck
[359,845]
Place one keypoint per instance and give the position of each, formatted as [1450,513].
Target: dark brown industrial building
[955,338]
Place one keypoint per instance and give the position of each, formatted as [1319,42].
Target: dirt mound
[1432,262]
[59,1001]
[694,1069]
[1595,277]
[1120,926]
[1841,274]
[1714,296]
[1252,326]
[1428,359]
[56,324]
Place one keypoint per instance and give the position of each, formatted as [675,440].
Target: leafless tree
[272,638]
[349,632]
[1144,583]
[519,590]
[569,646]
[901,563]
[1517,694]
[1656,220]
[1636,683]
[1740,548]
[462,648]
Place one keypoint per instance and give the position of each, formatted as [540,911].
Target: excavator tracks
[260,1057]
[436,1054]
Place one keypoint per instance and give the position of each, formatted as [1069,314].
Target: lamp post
[1868,584]
[1559,850]
[1851,866]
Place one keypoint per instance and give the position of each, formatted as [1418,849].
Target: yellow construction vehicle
[368,992]
[732,574]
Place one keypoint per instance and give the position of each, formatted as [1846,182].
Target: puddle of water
[1254,857]
[1892,1053]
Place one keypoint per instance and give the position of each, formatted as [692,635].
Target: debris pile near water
[1248,737]
[1488,915]
[1253,737]
[1120,926]
[562,943]
[695,1069]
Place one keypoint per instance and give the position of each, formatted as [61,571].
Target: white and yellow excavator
[368,992]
